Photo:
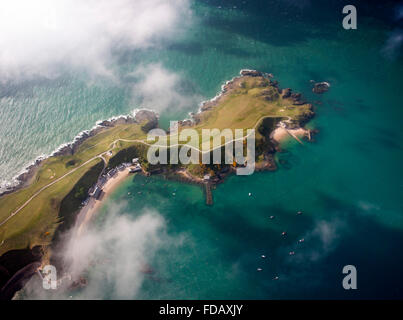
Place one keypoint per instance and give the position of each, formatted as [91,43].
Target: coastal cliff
[16,268]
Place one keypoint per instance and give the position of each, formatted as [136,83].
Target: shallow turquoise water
[348,182]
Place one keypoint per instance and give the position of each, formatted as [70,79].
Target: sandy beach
[88,211]
[184,173]
[280,133]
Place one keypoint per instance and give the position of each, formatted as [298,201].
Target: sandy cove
[188,177]
[88,211]
[280,133]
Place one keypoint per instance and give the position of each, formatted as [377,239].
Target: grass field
[37,221]
[244,106]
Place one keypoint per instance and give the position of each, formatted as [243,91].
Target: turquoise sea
[348,182]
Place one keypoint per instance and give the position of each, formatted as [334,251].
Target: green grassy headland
[61,183]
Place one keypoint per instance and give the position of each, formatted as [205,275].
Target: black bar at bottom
[198,309]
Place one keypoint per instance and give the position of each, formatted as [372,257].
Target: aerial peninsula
[53,190]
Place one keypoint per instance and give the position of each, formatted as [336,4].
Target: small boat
[301,240]
[259,269]
[263,256]
[275,278]
[283,233]
[299,213]
[291,253]
[272,217]
[250,194]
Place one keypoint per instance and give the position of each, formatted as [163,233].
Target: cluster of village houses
[96,191]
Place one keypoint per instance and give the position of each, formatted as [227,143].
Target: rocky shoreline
[286,93]
[23,179]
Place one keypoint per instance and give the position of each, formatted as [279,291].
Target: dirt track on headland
[113,144]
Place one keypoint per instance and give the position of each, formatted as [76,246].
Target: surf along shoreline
[86,213]
[24,177]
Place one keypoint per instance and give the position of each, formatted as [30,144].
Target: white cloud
[327,233]
[117,253]
[159,89]
[368,206]
[324,238]
[39,37]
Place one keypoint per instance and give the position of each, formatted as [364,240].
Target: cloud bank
[113,257]
[159,88]
[41,38]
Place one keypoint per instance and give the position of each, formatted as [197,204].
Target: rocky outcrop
[270,94]
[205,107]
[116,121]
[185,123]
[274,83]
[286,93]
[17,267]
[321,87]
[296,96]
[305,117]
[297,99]
[148,118]
[251,73]
[145,115]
